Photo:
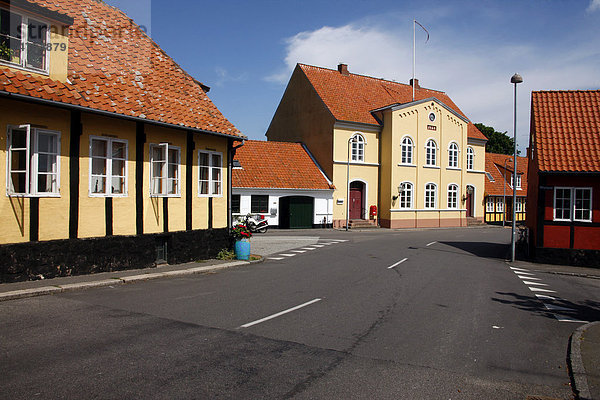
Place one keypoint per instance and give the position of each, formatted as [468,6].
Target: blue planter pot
[242,249]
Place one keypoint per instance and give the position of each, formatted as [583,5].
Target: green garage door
[296,212]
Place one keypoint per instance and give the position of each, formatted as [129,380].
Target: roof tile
[277,165]
[352,97]
[102,72]
[566,130]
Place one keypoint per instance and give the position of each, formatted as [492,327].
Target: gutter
[67,106]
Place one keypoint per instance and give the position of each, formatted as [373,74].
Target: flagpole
[414,61]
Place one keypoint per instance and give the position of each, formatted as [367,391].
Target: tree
[498,142]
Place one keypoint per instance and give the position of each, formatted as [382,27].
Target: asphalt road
[433,314]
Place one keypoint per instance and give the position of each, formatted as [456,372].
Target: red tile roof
[115,67]
[494,164]
[352,97]
[566,130]
[277,165]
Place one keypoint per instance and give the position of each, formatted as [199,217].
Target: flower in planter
[240,232]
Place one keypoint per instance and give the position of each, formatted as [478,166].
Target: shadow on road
[482,249]
[585,311]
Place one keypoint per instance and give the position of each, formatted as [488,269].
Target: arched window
[405,195]
[431,152]
[452,196]
[407,150]
[430,195]
[358,148]
[470,158]
[453,155]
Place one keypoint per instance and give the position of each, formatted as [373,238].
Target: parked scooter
[256,225]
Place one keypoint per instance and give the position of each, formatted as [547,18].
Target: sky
[245,51]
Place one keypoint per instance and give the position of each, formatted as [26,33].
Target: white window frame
[165,173]
[453,196]
[408,189]
[24,44]
[518,180]
[431,149]
[500,204]
[470,158]
[453,155]
[572,204]
[210,180]
[519,205]
[357,153]
[31,162]
[109,175]
[432,194]
[489,204]
[408,149]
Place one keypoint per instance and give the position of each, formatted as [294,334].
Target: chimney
[343,69]
[416,83]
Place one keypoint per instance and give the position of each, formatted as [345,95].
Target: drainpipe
[230,155]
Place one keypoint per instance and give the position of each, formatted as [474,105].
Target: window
[209,175]
[471,158]
[33,162]
[431,152]
[164,170]
[407,150]
[519,205]
[573,204]
[518,181]
[490,177]
[406,195]
[259,204]
[23,40]
[235,203]
[108,166]
[452,196]
[358,148]
[489,205]
[430,195]
[453,155]
[499,204]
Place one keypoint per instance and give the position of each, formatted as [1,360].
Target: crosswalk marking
[298,251]
[287,255]
[275,258]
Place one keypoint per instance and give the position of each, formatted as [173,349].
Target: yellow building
[415,158]
[114,157]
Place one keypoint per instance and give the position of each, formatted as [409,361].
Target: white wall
[323,203]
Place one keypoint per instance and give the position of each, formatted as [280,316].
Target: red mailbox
[373,211]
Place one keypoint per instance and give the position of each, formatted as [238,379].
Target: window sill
[453,168]
[165,195]
[26,69]
[210,195]
[100,195]
[407,165]
[38,195]
[431,166]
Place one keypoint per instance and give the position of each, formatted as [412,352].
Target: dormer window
[23,41]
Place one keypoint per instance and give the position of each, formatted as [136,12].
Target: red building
[563,208]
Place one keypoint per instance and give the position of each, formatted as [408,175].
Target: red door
[469,204]
[355,203]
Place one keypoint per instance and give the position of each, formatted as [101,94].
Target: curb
[577,372]
[46,290]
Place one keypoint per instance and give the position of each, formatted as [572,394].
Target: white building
[282,182]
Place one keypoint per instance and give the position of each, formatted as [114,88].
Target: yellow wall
[14,210]
[360,171]
[413,121]
[54,211]
[92,221]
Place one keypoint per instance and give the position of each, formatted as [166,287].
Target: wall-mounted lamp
[401,189]
[469,191]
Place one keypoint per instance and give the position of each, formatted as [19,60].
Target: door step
[362,224]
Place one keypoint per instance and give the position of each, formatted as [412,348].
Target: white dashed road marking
[398,263]
[258,321]
[530,280]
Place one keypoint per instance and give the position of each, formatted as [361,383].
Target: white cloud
[476,75]
[594,6]
[224,76]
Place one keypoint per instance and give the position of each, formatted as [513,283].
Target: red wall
[585,236]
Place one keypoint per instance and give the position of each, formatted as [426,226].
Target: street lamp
[515,79]
[353,139]
[504,193]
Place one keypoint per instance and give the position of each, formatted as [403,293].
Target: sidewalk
[584,361]
[558,269]
[19,290]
